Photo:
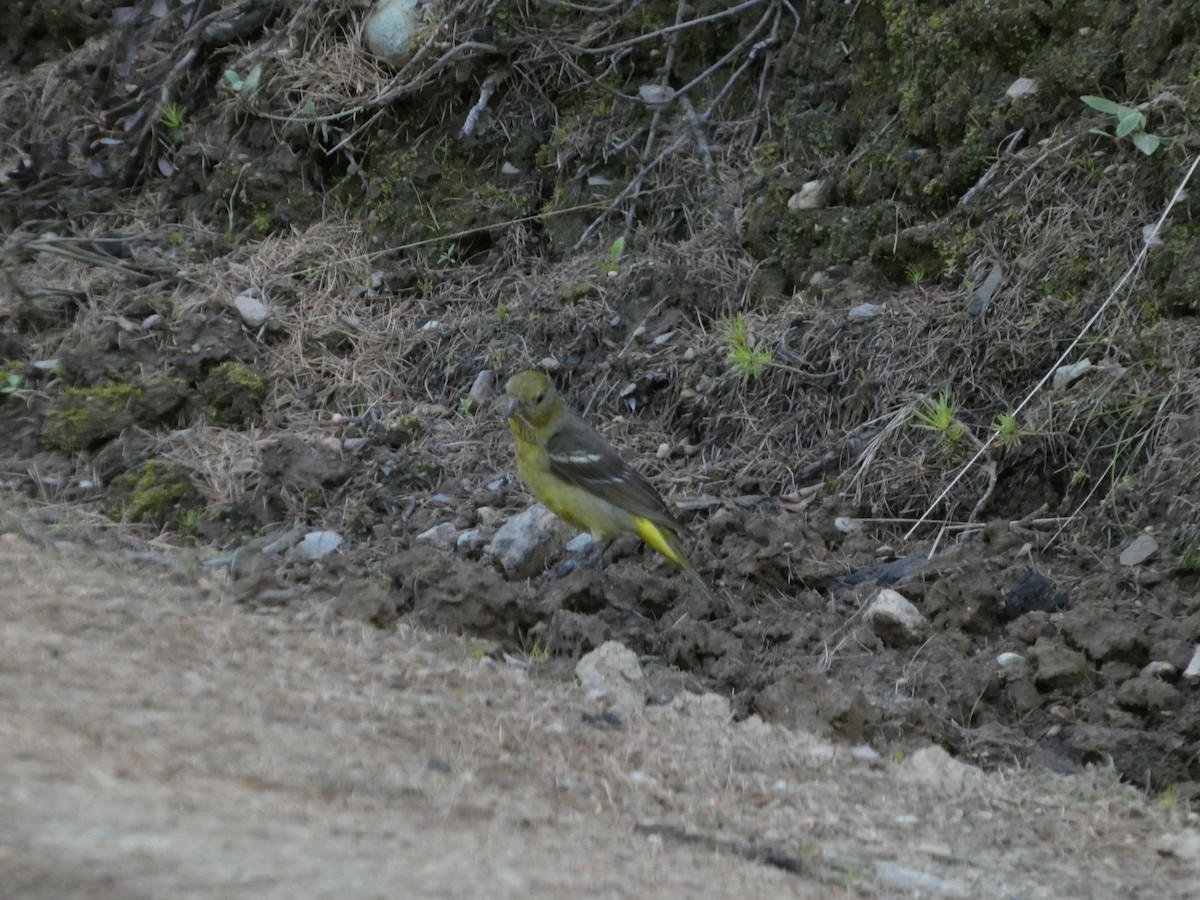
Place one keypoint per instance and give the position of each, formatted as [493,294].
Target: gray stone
[612,677]
[443,536]
[315,545]
[894,620]
[1139,550]
[526,542]
[390,30]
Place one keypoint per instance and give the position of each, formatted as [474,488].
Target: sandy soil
[156,743]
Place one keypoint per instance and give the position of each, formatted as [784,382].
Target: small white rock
[1010,660]
[315,545]
[390,30]
[847,524]
[250,308]
[523,544]
[894,620]
[443,536]
[1064,376]
[656,94]
[810,196]
[469,540]
[1192,672]
[581,543]
[1159,668]
[934,767]
[864,311]
[611,675]
[1139,550]
[509,169]
[481,390]
[1022,87]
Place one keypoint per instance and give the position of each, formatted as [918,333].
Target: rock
[443,536]
[812,195]
[581,543]
[481,390]
[1159,669]
[1012,662]
[982,295]
[894,620]
[612,677]
[487,516]
[1192,672]
[390,30]
[1139,550]
[656,95]
[470,541]
[934,767]
[1036,593]
[1022,87]
[847,524]
[315,545]
[525,543]
[864,312]
[250,308]
[1065,376]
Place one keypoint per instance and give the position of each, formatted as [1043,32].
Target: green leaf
[310,109]
[1147,143]
[252,80]
[1131,121]
[1103,104]
[615,251]
[234,80]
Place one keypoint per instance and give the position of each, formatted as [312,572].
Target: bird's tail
[667,543]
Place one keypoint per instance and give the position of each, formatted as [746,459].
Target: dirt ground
[160,744]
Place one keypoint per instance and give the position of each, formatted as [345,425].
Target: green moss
[401,430]
[156,492]
[13,376]
[429,194]
[84,418]
[232,394]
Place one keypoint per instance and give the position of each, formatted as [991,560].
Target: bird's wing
[580,455]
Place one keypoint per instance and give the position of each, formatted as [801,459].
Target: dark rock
[1036,593]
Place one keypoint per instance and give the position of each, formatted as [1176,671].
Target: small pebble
[1159,668]
[894,620]
[443,536]
[864,311]
[1139,550]
[315,545]
[250,308]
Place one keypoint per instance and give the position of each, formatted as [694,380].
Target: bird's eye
[540,397]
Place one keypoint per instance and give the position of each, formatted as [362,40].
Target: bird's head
[532,398]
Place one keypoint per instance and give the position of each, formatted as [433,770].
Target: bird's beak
[510,408]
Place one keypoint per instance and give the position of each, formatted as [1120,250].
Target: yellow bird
[580,476]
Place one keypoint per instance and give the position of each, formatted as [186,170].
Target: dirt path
[156,744]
